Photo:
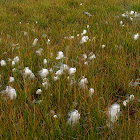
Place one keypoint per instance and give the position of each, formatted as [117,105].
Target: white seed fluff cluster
[91,91]
[131,98]
[3,63]
[113,112]
[10,92]
[72,71]
[11,79]
[60,55]
[43,73]
[83,83]
[74,117]
[35,42]
[136,36]
[39,91]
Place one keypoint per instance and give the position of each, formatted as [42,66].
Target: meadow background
[31,116]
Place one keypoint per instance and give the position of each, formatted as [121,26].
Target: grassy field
[99,40]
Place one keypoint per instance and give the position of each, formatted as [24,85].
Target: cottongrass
[88,14]
[16,59]
[83,82]
[13,63]
[130,14]
[113,114]
[55,78]
[59,72]
[43,73]
[72,71]
[35,42]
[45,61]
[39,51]
[84,56]
[91,91]
[91,56]
[103,46]
[60,55]
[27,71]
[125,102]
[136,36]
[11,79]
[130,98]
[74,117]
[84,32]
[45,83]
[39,91]
[84,39]
[3,63]
[64,67]
[10,92]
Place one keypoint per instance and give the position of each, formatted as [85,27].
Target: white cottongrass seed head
[43,73]
[32,76]
[3,63]
[45,61]
[59,72]
[103,46]
[72,70]
[11,92]
[13,63]
[91,91]
[39,51]
[51,70]
[11,79]
[84,32]
[86,63]
[84,39]
[84,56]
[125,102]
[55,116]
[136,36]
[16,59]
[131,12]
[64,67]
[91,56]
[87,13]
[83,83]
[121,22]
[60,55]
[55,78]
[45,85]
[131,97]
[27,71]
[35,42]
[74,117]
[114,112]
[39,91]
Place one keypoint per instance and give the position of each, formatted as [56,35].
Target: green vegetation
[31,116]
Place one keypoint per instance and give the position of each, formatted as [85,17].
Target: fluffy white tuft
[43,73]
[72,71]
[113,112]
[74,117]
[3,63]
[60,55]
